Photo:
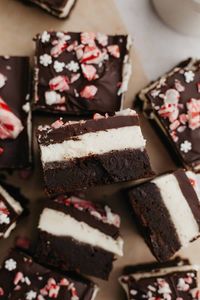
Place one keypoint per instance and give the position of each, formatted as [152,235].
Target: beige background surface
[18,24]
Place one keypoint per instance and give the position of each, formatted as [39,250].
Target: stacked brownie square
[58,8]
[23,278]
[15,114]
[161,207]
[176,279]
[173,104]
[78,235]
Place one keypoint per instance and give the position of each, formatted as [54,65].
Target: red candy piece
[10,124]
[89,72]
[59,83]
[89,92]
[114,50]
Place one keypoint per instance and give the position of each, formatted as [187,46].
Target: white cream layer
[92,143]
[11,201]
[59,224]
[178,208]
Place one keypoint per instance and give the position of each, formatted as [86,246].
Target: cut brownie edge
[155,220]
[99,262]
[96,170]
[168,233]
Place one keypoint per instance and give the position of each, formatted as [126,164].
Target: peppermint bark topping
[77,62]
[176,101]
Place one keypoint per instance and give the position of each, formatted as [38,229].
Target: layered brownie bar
[161,207]
[78,235]
[10,209]
[58,8]
[173,102]
[22,278]
[162,281]
[103,150]
[15,118]
[81,73]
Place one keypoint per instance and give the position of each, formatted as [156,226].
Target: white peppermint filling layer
[61,225]
[11,201]
[178,208]
[94,143]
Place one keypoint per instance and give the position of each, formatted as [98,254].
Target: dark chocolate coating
[106,99]
[112,167]
[67,254]
[17,152]
[38,277]
[190,159]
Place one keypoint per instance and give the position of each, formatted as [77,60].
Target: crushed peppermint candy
[89,92]
[10,125]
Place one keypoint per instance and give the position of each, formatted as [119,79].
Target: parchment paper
[18,25]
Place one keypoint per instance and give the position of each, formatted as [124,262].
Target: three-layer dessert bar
[167,210]
[15,115]
[78,235]
[162,281]
[102,150]
[58,8]
[23,278]
[10,209]
[81,73]
[173,103]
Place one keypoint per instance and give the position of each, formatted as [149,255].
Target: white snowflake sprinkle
[10,264]
[186,146]
[58,66]
[45,60]
[72,66]
[45,37]
[31,295]
[4,219]
[189,76]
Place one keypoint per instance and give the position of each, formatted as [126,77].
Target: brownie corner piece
[162,281]
[58,8]
[155,205]
[173,103]
[82,236]
[80,73]
[12,204]
[98,151]
[15,110]
[26,279]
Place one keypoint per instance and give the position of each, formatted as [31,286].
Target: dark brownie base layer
[67,254]
[112,167]
[154,221]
